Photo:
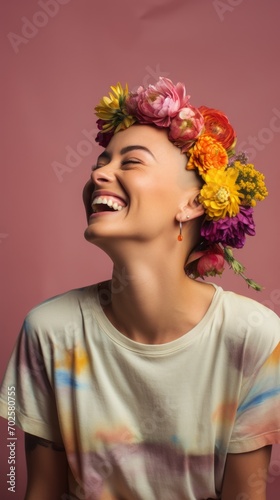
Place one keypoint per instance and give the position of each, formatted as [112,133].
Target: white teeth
[106,201]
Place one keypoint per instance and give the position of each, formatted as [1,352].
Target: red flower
[212,262]
[217,126]
[205,261]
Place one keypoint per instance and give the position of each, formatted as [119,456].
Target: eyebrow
[124,150]
[132,148]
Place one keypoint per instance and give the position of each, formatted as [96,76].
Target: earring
[180,237]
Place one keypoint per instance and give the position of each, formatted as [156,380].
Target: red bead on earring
[180,237]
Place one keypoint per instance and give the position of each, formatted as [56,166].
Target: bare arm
[245,475]
[46,469]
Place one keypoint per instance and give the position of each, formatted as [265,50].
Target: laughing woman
[155,384]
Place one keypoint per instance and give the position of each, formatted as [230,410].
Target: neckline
[153,350]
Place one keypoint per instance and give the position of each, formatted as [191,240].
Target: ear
[190,208]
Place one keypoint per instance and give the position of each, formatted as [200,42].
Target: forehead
[154,139]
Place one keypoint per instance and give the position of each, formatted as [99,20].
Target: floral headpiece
[231,185]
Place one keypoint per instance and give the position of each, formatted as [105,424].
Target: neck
[152,300]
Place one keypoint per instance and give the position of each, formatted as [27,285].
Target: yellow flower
[207,153]
[251,183]
[108,106]
[112,110]
[220,194]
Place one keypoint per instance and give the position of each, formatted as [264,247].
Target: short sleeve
[258,415]
[29,373]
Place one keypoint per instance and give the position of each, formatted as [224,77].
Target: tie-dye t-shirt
[140,421]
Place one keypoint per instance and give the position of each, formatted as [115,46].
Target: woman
[154,385]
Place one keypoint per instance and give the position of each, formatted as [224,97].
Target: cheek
[158,205]
[158,183]
[155,193]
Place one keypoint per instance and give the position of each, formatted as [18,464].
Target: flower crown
[231,186]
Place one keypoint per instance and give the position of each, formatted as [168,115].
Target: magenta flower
[103,138]
[230,231]
[158,103]
[186,127]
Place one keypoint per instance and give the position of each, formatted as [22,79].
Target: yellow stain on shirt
[75,360]
[119,435]
[274,358]
[106,495]
[225,412]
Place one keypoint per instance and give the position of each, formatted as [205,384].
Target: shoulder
[57,312]
[248,314]
[250,331]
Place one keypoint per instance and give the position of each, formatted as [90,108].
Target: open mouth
[107,204]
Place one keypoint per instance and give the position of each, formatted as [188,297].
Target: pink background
[58,61]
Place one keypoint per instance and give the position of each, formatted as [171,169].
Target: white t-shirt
[140,421]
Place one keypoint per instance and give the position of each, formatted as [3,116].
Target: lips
[107,202]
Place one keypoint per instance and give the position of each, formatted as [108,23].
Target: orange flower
[207,153]
[217,126]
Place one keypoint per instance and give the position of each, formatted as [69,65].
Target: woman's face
[137,187]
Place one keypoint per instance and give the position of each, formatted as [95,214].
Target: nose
[103,175]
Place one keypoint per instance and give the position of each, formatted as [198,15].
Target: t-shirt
[141,421]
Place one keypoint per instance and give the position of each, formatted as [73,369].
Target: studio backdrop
[59,57]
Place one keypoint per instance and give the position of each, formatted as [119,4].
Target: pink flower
[211,263]
[186,127]
[158,103]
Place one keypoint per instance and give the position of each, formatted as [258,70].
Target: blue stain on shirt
[63,377]
[259,399]
[175,440]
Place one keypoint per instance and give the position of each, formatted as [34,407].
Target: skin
[142,240]
[245,475]
[46,469]
[156,302]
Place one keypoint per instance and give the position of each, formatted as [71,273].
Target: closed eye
[129,161]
